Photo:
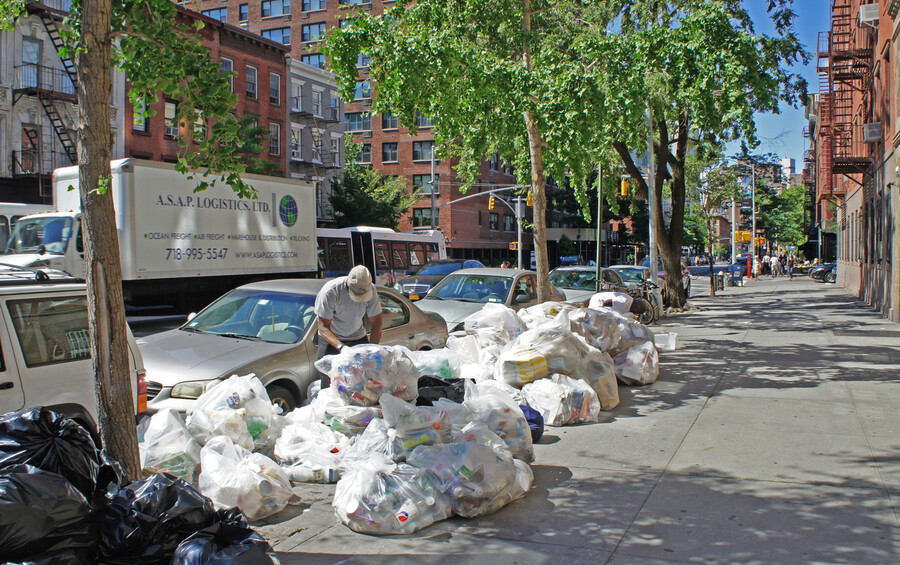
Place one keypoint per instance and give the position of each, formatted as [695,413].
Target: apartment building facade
[854,141]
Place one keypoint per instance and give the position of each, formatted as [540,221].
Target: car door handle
[6,385]
[412,336]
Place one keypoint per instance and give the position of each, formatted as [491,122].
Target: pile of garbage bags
[63,501]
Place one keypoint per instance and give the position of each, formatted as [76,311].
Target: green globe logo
[287,210]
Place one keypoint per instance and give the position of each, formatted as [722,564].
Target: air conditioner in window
[171,131]
[868,13]
[872,132]
[367,134]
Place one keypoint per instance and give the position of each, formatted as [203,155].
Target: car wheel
[831,277]
[282,397]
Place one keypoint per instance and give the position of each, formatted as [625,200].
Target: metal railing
[58,5]
[39,77]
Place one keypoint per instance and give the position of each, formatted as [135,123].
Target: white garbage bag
[601,375]
[618,301]
[169,447]
[460,415]
[362,373]
[551,348]
[348,419]
[232,476]
[599,327]
[585,402]
[638,365]
[466,346]
[416,425]
[495,409]
[380,497]
[494,324]
[441,363]
[376,440]
[239,408]
[476,470]
[633,333]
[555,401]
[310,452]
[540,314]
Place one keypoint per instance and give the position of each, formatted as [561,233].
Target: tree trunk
[106,310]
[712,276]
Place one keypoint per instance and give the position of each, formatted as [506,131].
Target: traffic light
[529,201]
[624,187]
[513,245]
[491,202]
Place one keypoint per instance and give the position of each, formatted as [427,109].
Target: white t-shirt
[334,303]
[621,302]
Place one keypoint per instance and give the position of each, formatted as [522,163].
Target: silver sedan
[267,328]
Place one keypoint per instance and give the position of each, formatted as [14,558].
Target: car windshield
[631,275]
[472,288]
[46,233]
[574,279]
[438,268]
[256,315]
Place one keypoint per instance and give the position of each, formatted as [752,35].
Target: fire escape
[50,86]
[845,77]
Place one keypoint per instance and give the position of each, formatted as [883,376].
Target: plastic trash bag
[633,333]
[362,373]
[441,363]
[618,301]
[415,425]
[221,543]
[168,446]
[42,513]
[585,403]
[459,413]
[146,520]
[476,371]
[377,440]
[500,413]
[494,324]
[551,348]
[638,365]
[466,347]
[476,470]
[432,389]
[555,401]
[237,407]
[381,497]
[343,417]
[542,313]
[601,375]
[232,476]
[535,422]
[599,327]
[48,440]
[310,452]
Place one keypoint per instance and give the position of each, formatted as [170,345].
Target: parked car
[579,283]
[685,279]
[46,356]
[267,328]
[418,284]
[821,273]
[466,291]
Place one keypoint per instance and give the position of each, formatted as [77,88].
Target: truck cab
[47,241]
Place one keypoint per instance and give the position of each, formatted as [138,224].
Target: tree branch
[631,168]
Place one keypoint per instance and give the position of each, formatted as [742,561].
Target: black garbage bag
[145,521]
[225,544]
[64,557]
[535,422]
[433,388]
[48,440]
[42,514]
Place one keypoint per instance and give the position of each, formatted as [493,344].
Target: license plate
[413,296]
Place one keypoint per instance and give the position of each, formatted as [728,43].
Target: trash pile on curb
[409,438]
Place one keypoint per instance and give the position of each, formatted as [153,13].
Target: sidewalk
[772,436]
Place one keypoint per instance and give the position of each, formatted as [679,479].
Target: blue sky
[783,133]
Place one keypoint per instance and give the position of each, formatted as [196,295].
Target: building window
[251,75]
[275,89]
[297,144]
[363,90]
[422,150]
[365,155]
[313,5]
[274,139]
[276,8]
[422,218]
[279,34]
[422,183]
[243,15]
[171,125]
[353,2]
[389,121]
[317,102]
[495,221]
[345,22]
[141,122]
[422,121]
[495,162]
[313,32]
[357,122]
[389,152]
[363,60]
[509,223]
[220,14]
[314,60]
[480,221]
[227,67]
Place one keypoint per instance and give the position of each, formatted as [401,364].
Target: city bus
[394,254]
[10,212]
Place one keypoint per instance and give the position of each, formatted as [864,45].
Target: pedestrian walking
[766,264]
[341,306]
[790,266]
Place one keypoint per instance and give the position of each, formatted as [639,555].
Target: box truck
[178,246]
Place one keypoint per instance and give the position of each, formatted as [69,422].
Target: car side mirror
[520,298]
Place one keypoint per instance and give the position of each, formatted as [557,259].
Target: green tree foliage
[789,207]
[252,142]
[566,246]
[362,196]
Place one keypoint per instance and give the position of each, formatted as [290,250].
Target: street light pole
[519,231]
[599,221]
[733,229]
[753,215]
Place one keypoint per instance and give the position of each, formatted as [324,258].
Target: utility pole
[651,198]
[599,220]
[519,214]
[733,229]
[753,215]
[433,210]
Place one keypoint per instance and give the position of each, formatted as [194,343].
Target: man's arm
[328,335]
[377,324]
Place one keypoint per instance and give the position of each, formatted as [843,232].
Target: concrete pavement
[772,436]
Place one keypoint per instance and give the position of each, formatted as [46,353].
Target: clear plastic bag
[585,403]
[600,373]
[494,324]
[362,373]
[476,470]
[551,348]
[466,346]
[232,476]
[491,406]
[442,363]
[542,313]
[168,446]
[381,497]
[239,408]
[633,333]
[555,401]
[415,425]
[310,452]
[377,440]
[599,327]
[638,365]
[350,420]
